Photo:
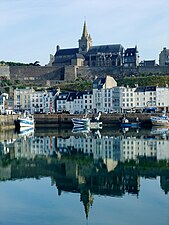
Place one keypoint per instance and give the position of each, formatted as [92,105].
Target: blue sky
[31,29]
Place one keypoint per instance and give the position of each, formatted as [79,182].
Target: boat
[92,123]
[25,121]
[127,124]
[162,120]
[79,122]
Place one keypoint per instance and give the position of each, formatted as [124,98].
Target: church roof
[106,49]
[67,51]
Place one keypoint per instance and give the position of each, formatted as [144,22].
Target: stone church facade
[96,56]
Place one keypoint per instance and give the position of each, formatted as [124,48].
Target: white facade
[22,99]
[42,102]
[33,101]
[3,98]
[162,97]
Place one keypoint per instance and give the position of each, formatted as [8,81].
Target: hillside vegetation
[81,85]
[160,81]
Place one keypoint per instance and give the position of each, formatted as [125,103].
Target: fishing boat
[162,120]
[79,122]
[92,123]
[25,121]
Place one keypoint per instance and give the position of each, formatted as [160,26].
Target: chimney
[57,48]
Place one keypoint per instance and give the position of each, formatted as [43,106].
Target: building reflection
[91,164]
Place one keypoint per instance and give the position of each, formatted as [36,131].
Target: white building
[42,102]
[162,98]
[3,99]
[22,99]
[75,102]
[102,94]
[34,101]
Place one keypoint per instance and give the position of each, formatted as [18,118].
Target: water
[101,178]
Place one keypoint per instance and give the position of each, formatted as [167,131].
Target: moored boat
[92,123]
[25,121]
[78,122]
[162,120]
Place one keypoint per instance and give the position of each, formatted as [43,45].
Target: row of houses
[105,97]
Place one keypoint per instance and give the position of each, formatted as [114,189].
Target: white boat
[78,122]
[25,121]
[160,120]
[88,122]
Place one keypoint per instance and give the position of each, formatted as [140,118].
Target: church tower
[85,42]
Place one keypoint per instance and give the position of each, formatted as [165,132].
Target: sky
[30,30]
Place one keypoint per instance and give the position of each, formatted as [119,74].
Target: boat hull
[86,122]
[24,122]
[160,121]
[77,122]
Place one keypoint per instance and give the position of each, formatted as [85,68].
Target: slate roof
[145,89]
[105,49]
[72,96]
[131,50]
[68,51]
[62,96]
[99,82]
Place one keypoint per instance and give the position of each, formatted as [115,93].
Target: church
[86,54]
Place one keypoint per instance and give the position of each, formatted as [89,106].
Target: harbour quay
[65,120]
[108,120]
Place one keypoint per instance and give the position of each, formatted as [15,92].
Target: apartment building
[34,101]
[3,100]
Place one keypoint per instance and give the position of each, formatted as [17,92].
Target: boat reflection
[25,131]
[160,130]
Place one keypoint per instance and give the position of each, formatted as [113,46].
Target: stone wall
[36,74]
[159,70]
[4,71]
[41,74]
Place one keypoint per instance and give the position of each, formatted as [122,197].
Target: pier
[64,120]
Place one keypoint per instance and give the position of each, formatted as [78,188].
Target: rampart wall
[41,74]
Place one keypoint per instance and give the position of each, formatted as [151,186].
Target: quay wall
[7,122]
[64,120]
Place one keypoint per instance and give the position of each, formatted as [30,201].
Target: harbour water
[81,177]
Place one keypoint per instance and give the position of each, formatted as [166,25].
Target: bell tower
[86,41]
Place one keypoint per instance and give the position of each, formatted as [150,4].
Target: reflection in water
[88,163]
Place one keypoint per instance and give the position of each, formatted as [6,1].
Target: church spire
[86,41]
[85,33]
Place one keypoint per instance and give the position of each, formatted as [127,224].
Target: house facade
[34,101]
